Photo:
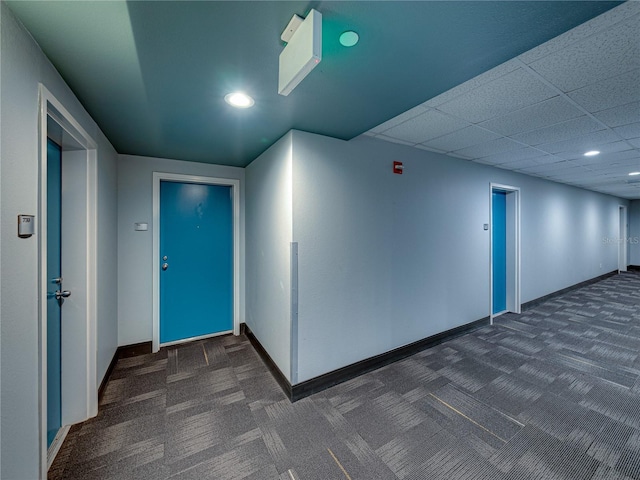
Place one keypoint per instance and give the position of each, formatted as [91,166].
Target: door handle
[62,294]
[165,266]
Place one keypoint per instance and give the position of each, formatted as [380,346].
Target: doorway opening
[504,255]
[67,384]
[163,262]
[622,239]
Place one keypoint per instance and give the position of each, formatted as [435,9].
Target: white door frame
[79,351]
[513,256]
[623,246]
[235,187]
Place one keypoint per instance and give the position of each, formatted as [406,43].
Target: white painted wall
[269,235]
[135,249]
[385,260]
[107,251]
[634,233]
[22,67]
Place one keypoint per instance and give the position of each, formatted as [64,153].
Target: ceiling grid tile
[426,126]
[499,97]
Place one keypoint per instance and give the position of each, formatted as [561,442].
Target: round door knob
[165,266]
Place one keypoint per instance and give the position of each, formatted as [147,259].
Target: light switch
[141,227]
[486,226]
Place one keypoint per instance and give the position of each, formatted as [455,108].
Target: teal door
[499,246]
[196,260]
[54,280]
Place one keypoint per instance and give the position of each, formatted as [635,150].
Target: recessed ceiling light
[239,100]
[633,174]
[349,38]
[591,153]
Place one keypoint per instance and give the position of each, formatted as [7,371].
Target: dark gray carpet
[553,393]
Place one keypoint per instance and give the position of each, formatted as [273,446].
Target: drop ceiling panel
[600,56]
[548,159]
[630,190]
[620,170]
[565,168]
[426,126]
[492,147]
[622,167]
[579,145]
[541,111]
[560,131]
[462,138]
[470,85]
[630,165]
[629,131]
[577,176]
[394,140]
[554,110]
[608,158]
[604,148]
[594,180]
[430,149]
[608,20]
[552,169]
[549,168]
[513,155]
[609,93]
[527,162]
[622,115]
[572,178]
[510,92]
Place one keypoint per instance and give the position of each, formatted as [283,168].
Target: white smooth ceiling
[539,113]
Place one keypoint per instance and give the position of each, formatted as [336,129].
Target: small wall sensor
[26,226]
[293,25]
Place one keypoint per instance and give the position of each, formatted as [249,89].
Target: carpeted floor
[553,393]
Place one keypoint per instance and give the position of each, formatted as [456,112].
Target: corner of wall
[268,251]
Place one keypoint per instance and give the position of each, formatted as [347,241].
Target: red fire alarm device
[397,167]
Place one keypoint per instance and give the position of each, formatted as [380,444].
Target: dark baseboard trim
[327,380]
[107,375]
[322,382]
[354,370]
[143,348]
[123,352]
[633,268]
[533,303]
[271,365]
